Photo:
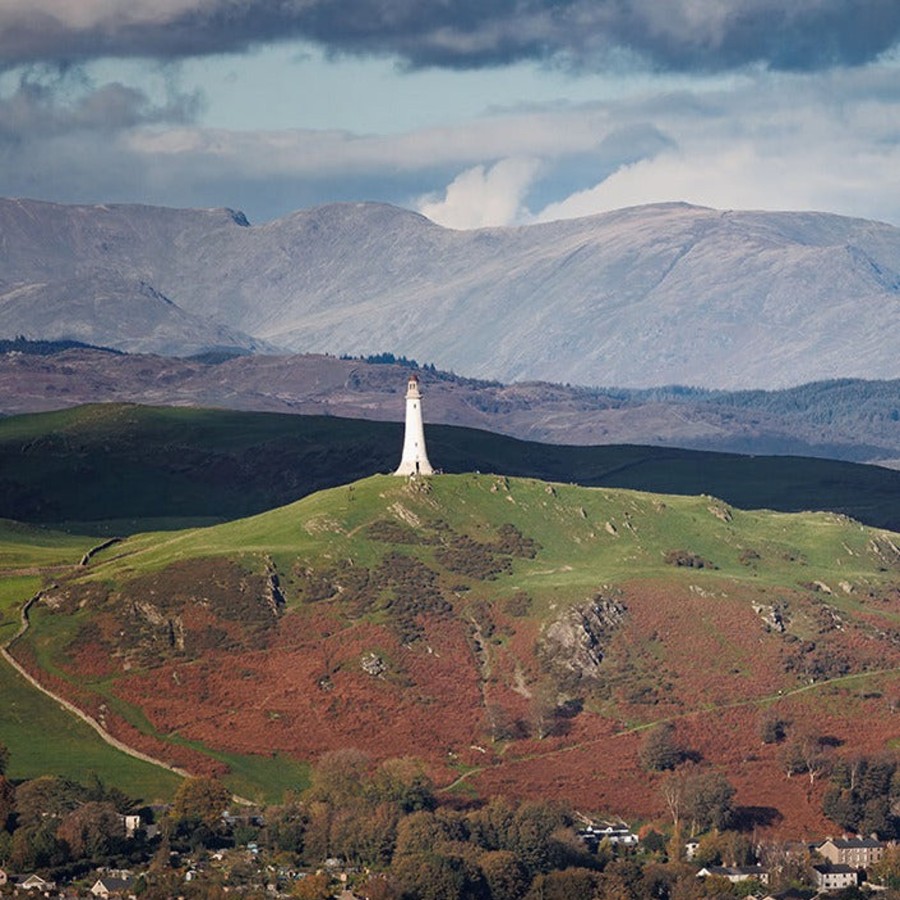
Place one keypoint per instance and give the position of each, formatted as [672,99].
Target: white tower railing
[414,460]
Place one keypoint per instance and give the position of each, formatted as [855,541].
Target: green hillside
[471,595]
[118,469]
[568,521]
[28,558]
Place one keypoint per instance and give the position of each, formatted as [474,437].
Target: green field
[568,521]
[119,469]
[45,739]
[41,736]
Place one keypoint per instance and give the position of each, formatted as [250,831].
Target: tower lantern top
[412,387]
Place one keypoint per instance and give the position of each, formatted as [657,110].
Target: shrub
[685,559]
[660,751]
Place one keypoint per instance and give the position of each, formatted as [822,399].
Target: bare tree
[673,794]
[543,708]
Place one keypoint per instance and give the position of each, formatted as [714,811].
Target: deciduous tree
[202,799]
[313,887]
[707,801]
[659,750]
[542,708]
[402,782]
[7,802]
[47,799]
[491,826]
[434,876]
[339,776]
[772,727]
[506,878]
[92,830]
[420,832]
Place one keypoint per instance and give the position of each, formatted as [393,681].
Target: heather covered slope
[517,632]
[662,294]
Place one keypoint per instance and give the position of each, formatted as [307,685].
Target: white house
[834,876]
[616,833]
[736,873]
[690,848]
[35,883]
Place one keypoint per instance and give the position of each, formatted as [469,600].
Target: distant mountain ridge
[852,420]
[661,294]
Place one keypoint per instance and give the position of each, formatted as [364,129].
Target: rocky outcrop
[372,664]
[573,644]
[773,616]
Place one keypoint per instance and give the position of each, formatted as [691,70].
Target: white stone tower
[414,460]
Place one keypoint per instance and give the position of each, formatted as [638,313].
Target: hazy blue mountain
[646,296]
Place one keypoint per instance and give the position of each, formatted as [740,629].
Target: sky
[473,112]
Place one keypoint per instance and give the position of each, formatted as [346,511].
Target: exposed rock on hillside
[573,644]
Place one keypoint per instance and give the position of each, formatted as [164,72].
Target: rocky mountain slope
[645,296]
[525,634]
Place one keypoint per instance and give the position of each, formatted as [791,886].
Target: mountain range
[647,296]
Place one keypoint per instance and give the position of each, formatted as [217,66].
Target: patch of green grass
[262,779]
[45,739]
[587,536]
[15,589]
[25,546]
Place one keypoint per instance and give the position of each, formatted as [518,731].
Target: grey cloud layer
[37,109]
[804,141]
[681,35]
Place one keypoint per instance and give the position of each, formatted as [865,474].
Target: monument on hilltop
[414,460]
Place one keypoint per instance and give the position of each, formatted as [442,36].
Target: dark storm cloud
[678,35]
[39,108]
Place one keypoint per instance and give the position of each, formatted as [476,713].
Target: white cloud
[791,143]
[826,142]
[480,197]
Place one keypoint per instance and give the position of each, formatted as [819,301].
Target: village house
[736,873]
[616,833]
[690,848]
[856,851]
[35,883]
[834,876]
[110,886]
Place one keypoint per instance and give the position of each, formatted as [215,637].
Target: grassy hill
[522,636]
[28,557]
[118,469]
